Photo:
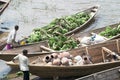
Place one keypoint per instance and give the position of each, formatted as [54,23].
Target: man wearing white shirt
[11,37]
[23,63]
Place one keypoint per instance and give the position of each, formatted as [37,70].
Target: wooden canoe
[95,51]
[3,38]
[109,74]
[92,12]
[9,54]
[81,35]
[3,5]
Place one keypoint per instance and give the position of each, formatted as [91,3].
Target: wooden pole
[103,55]
[107,50]
[87,50]
[117,42]
[46,48]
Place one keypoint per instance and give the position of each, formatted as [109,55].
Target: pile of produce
[110,32]
[56,41]
[67,23]
[54,32]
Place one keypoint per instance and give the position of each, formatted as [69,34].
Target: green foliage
[110,32]
[54,32]
[62,42]
[20,73]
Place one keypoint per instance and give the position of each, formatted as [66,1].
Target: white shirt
[11,36]
[23,62]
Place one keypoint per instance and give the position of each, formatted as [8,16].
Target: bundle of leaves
[68,23]
[110,32]
[54,32]
[62,42]
[57,41]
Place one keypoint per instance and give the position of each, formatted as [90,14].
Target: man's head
[16,27]
[25,52]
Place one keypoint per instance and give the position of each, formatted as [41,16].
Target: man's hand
[13,60]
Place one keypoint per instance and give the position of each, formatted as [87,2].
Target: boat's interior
[100,53]
[1,5]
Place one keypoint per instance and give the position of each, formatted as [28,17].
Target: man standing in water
[11,37]
[23,63]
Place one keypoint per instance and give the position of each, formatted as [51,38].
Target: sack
[99,39]
[85,40]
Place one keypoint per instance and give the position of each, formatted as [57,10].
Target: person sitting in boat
[78,60]
[11,38]
[86,59]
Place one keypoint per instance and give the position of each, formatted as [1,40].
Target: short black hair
[16,27]
[25,52]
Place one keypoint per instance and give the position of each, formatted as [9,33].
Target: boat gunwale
[81,26]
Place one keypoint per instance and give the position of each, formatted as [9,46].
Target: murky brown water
[29,14]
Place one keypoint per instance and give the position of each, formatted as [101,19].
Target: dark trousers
[26,75]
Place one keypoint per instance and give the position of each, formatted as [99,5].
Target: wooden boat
[3,38]
[9,54]
[109,74]
[3,5]
[92,12]
[95,51]
[81,35]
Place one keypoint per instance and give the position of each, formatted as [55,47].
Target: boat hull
[111,74]
[8,55]
[95,51]
[3,5]
[92,12]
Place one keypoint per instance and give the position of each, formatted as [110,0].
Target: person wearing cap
[23,63]
[11,37]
